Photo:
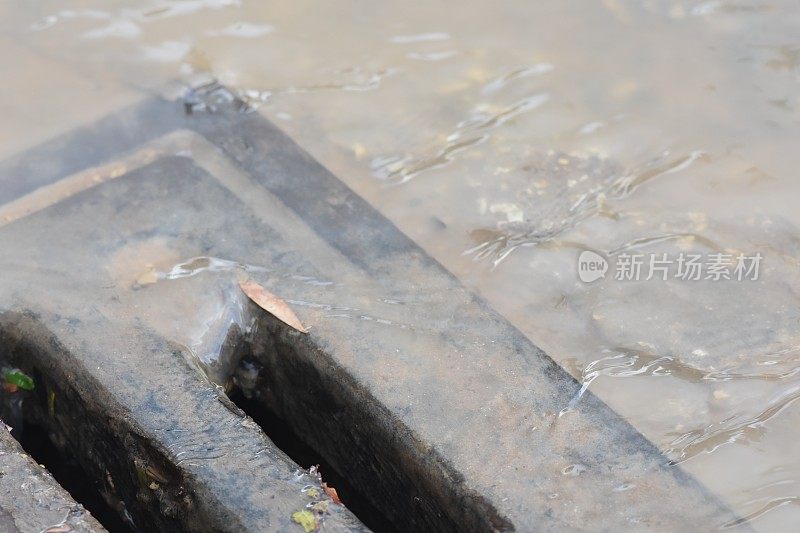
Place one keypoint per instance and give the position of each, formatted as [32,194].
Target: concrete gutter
[123,243]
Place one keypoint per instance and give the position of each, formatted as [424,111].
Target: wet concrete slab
[31,500]
[123,247]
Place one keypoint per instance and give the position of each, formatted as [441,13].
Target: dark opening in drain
[304,455]
[68,473]
[408,485]
[82,442]
[23,411]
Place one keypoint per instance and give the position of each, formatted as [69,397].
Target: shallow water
[505,138]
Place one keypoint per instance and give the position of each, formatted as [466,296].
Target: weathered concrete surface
[31,500]
[433,405]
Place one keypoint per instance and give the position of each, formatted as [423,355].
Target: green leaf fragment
[18,378]
[306,519]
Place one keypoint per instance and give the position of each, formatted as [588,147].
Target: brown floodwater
[505,138]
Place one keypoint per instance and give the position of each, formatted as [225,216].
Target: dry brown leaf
[271,304]
[332,494]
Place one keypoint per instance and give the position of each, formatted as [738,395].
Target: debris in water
[51,403]
[331,492]
[271,304]
[14,378]
[149,277]
[306,519]
[720,395]
[321,507]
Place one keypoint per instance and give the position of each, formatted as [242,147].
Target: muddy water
[506,138]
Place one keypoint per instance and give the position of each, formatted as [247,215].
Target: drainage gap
[68,473]
[284,437]
[71,425]
[22,410]
[351,432]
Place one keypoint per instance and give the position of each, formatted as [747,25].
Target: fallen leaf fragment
[60,528]
[271,304]
[306,519]
[320,507]
[332,494]
[17,379]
